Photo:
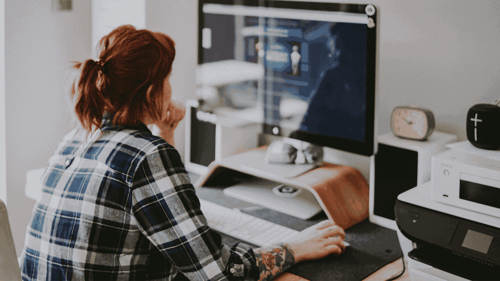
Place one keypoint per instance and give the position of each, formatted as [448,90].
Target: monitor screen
[304,70]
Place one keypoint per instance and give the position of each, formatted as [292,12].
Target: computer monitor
[304,70]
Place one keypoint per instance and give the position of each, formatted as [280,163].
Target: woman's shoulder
[150,150]
[121,148]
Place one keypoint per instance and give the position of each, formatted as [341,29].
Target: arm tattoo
[274,261]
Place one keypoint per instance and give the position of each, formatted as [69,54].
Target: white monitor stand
[294,201]
[272,185]
[302,196]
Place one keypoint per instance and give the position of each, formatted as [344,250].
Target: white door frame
[3,150]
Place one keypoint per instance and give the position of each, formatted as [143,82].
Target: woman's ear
[153,113]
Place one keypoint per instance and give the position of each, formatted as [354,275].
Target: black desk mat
[371,246]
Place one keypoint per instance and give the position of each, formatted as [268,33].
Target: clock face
[411,123]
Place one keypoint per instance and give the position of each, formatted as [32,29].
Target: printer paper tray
[448,261]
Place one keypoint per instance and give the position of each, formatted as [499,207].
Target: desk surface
[372,247]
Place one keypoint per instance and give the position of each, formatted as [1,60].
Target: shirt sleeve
[168,212]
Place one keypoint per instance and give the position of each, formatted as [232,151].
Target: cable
[394,277]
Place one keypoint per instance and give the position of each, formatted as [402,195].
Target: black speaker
[210,137]
[483,126]
[202,140]
[396,171]
[399,165]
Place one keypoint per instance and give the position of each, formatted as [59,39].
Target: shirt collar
[107,124]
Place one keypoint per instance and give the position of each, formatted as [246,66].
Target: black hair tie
[100,63]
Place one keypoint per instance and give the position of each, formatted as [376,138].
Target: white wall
[438,54]
[179,20]
[442,55]
[40,43]
[3,159]
[110,14]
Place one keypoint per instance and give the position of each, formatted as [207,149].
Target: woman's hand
[175,113]
[318,241]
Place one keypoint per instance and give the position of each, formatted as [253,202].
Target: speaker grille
[395,172]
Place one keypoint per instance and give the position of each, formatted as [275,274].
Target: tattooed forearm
[273,261]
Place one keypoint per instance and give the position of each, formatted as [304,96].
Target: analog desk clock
[411,122]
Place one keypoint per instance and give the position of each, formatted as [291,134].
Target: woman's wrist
[297,251]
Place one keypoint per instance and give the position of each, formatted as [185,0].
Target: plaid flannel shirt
[120,206]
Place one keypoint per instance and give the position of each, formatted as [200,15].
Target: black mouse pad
[371,248]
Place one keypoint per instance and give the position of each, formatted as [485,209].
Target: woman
[117,203]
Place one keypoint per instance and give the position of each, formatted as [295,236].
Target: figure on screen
[341,92]
[295,57]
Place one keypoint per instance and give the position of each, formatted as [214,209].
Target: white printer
[452,239]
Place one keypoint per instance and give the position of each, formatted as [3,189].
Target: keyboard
[245,227]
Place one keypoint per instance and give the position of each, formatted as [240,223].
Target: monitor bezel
[366,147]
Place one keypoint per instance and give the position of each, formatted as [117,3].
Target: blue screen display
[313,69]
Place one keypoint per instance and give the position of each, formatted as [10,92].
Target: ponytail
[90,102]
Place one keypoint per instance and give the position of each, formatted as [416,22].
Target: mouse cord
[399,274]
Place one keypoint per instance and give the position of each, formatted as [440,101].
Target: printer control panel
[470,239]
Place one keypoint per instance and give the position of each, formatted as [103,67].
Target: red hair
[126,81]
